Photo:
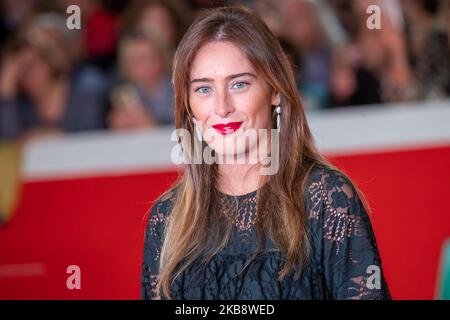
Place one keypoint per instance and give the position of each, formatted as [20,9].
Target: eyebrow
[231,76]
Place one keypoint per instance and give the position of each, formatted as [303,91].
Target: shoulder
[160,211]
[165,201]
[329,190]
[338,217]
[330,179]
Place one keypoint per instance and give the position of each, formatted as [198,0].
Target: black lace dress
[344,262]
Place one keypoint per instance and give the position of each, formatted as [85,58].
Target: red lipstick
[227,128]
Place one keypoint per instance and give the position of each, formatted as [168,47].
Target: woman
[225,231]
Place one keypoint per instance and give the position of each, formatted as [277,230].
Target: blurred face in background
[302,24]
[367,42]
[35,73]
[372,48]
[225,88]
[158,20]
[142,63]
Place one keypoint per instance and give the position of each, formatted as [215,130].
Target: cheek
[256,107]
[131,70]
[202,108]
[141,71]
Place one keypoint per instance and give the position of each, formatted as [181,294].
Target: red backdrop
[97,223]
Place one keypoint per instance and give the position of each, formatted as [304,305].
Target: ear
[276,99]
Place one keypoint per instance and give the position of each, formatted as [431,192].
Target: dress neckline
[248,195]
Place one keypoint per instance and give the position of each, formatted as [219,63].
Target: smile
[227,128]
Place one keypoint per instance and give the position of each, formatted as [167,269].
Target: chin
[229,148]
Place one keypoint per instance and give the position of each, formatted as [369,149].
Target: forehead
[219,59]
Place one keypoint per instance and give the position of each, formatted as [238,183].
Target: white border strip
[354,130]
[382,128]
[97,154]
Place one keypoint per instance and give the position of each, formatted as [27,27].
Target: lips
[227,128]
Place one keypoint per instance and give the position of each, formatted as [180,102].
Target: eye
[203,90]
[239,85]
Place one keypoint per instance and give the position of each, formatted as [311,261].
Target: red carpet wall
[84,197]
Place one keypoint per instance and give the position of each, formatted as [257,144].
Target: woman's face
[229,98]
[157,19]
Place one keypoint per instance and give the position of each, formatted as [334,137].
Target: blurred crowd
[115,72]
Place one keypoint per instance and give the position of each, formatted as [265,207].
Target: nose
[224,107]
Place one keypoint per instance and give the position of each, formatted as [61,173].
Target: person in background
[42,90]
[270,12]
[13,14]
[304,30]
[101,32]
[144,96]
[428,38]
[351,83]
[372,67]
[166,19]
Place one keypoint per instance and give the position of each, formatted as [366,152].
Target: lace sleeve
[352,263]
[152,246]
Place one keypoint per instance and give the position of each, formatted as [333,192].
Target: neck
[238,179]
[242,177]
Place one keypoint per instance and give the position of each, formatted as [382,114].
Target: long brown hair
[194,221]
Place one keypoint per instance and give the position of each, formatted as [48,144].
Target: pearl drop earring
[278,111]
